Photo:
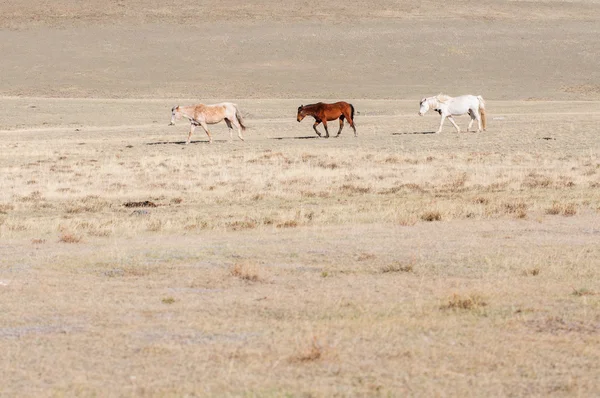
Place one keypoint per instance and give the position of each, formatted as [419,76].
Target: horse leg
[192,128]
[205,127]
[478,117]
[441,124]
[315,127]
[341,126]
[351,121]
[239,128]
[454,123]
[471,121]
[326,130]
[230,128]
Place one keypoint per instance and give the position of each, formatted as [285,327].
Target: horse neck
[189,111]
[433,102]
[309,109]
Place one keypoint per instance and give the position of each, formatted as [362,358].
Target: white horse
[203,115]
[448,107]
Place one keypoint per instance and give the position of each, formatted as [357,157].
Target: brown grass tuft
[313,353]
[69,238]
[532,272]
[350,188]
[567,210]
[398,267]
[145,203]
[432,215]
[241,225]
[468,302]
[583,292]
[365,256]
[5,208]
[248,271]
[535,180]
[288,224]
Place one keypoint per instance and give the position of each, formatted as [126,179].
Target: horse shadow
[308,137]
[182,142]
[415,132]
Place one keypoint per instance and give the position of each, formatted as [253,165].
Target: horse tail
[482,111]
[352,112]
[238,116]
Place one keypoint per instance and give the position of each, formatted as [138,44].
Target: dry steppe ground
[397,263]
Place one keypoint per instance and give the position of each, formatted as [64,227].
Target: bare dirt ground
[398,263]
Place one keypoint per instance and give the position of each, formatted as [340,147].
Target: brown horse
[324,113]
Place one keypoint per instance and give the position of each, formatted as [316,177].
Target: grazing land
[400,262]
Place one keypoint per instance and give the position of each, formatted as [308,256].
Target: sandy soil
[397,263]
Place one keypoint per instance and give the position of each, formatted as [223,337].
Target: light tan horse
[203,115]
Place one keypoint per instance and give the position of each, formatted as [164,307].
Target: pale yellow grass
[392,264]
[268,189]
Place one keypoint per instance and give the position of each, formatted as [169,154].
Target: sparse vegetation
[69,238]
[532,271]
[567,210]
[252,248]
[313,353]
[398,266]
[248,271]
[583,292]
[465,302]
[432,215]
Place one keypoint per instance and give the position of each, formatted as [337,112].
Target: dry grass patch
[480,200]
[583,292]
[69,238]
[155,226]
[366,256]
[352,189]
[288,224]
[34,196]
[536,180]
[557,325]
[248,271]
[145,203]
[517,208]
[566,209]
[432,215]
[398,267]
[5,208]
[465,302]
[313,353]
[532,272]
[240,225]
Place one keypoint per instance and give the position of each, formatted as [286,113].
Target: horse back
[211,113]
[338,109]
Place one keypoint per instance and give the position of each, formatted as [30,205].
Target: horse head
[423,106]
[174,115]
[301,113]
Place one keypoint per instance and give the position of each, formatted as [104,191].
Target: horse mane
[443,97]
